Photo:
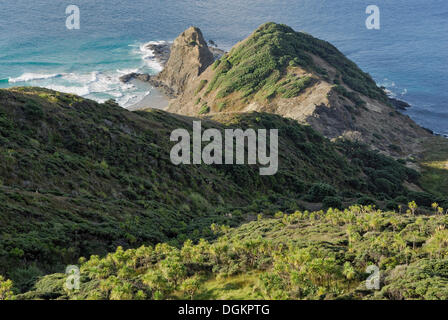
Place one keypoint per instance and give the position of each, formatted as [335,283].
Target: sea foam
[149,57]
[33,76]
[99,85]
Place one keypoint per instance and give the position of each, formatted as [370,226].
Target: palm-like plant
[5,289]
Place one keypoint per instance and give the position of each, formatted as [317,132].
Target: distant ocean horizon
[408,55]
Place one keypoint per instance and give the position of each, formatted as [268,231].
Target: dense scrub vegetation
[259,66]
[79,178]
[302,255]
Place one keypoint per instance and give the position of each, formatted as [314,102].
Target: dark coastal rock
[399,104]
[166,90]
[127,77]
[217,53]
[182,67]
[143,77]
[429,131]
[133,75]
[161,51]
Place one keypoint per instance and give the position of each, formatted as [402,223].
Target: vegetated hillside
[303,255]
[80,178]
[293,74]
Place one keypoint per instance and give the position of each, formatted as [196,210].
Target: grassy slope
[263,65]
[80,178]
[434,166]
[293,74]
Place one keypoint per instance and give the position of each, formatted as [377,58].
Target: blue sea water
[408,54]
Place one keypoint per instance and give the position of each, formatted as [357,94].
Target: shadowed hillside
[80,178]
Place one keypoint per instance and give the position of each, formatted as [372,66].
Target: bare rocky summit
[189,57]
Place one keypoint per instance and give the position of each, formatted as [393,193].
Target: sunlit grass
[238,287]
[435,166]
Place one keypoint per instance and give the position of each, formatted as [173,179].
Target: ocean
[408,55]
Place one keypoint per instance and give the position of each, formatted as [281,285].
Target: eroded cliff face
[189,57]
[280,71]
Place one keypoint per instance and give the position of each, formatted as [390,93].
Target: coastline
[135,94]
[159,95]
[155,99]
[402,106]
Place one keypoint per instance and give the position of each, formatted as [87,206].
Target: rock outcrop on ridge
[292,74]
[189,57]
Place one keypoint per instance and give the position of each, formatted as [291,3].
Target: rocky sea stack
[189,57]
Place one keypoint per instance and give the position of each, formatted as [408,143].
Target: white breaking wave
[148,55]
[99,85]
[390,94]
[392,89]
[127,71]
[33,76]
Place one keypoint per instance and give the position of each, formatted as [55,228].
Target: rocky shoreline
[399,104]
[144,77]
[162,53]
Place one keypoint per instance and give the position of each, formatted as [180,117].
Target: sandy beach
[155,99]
